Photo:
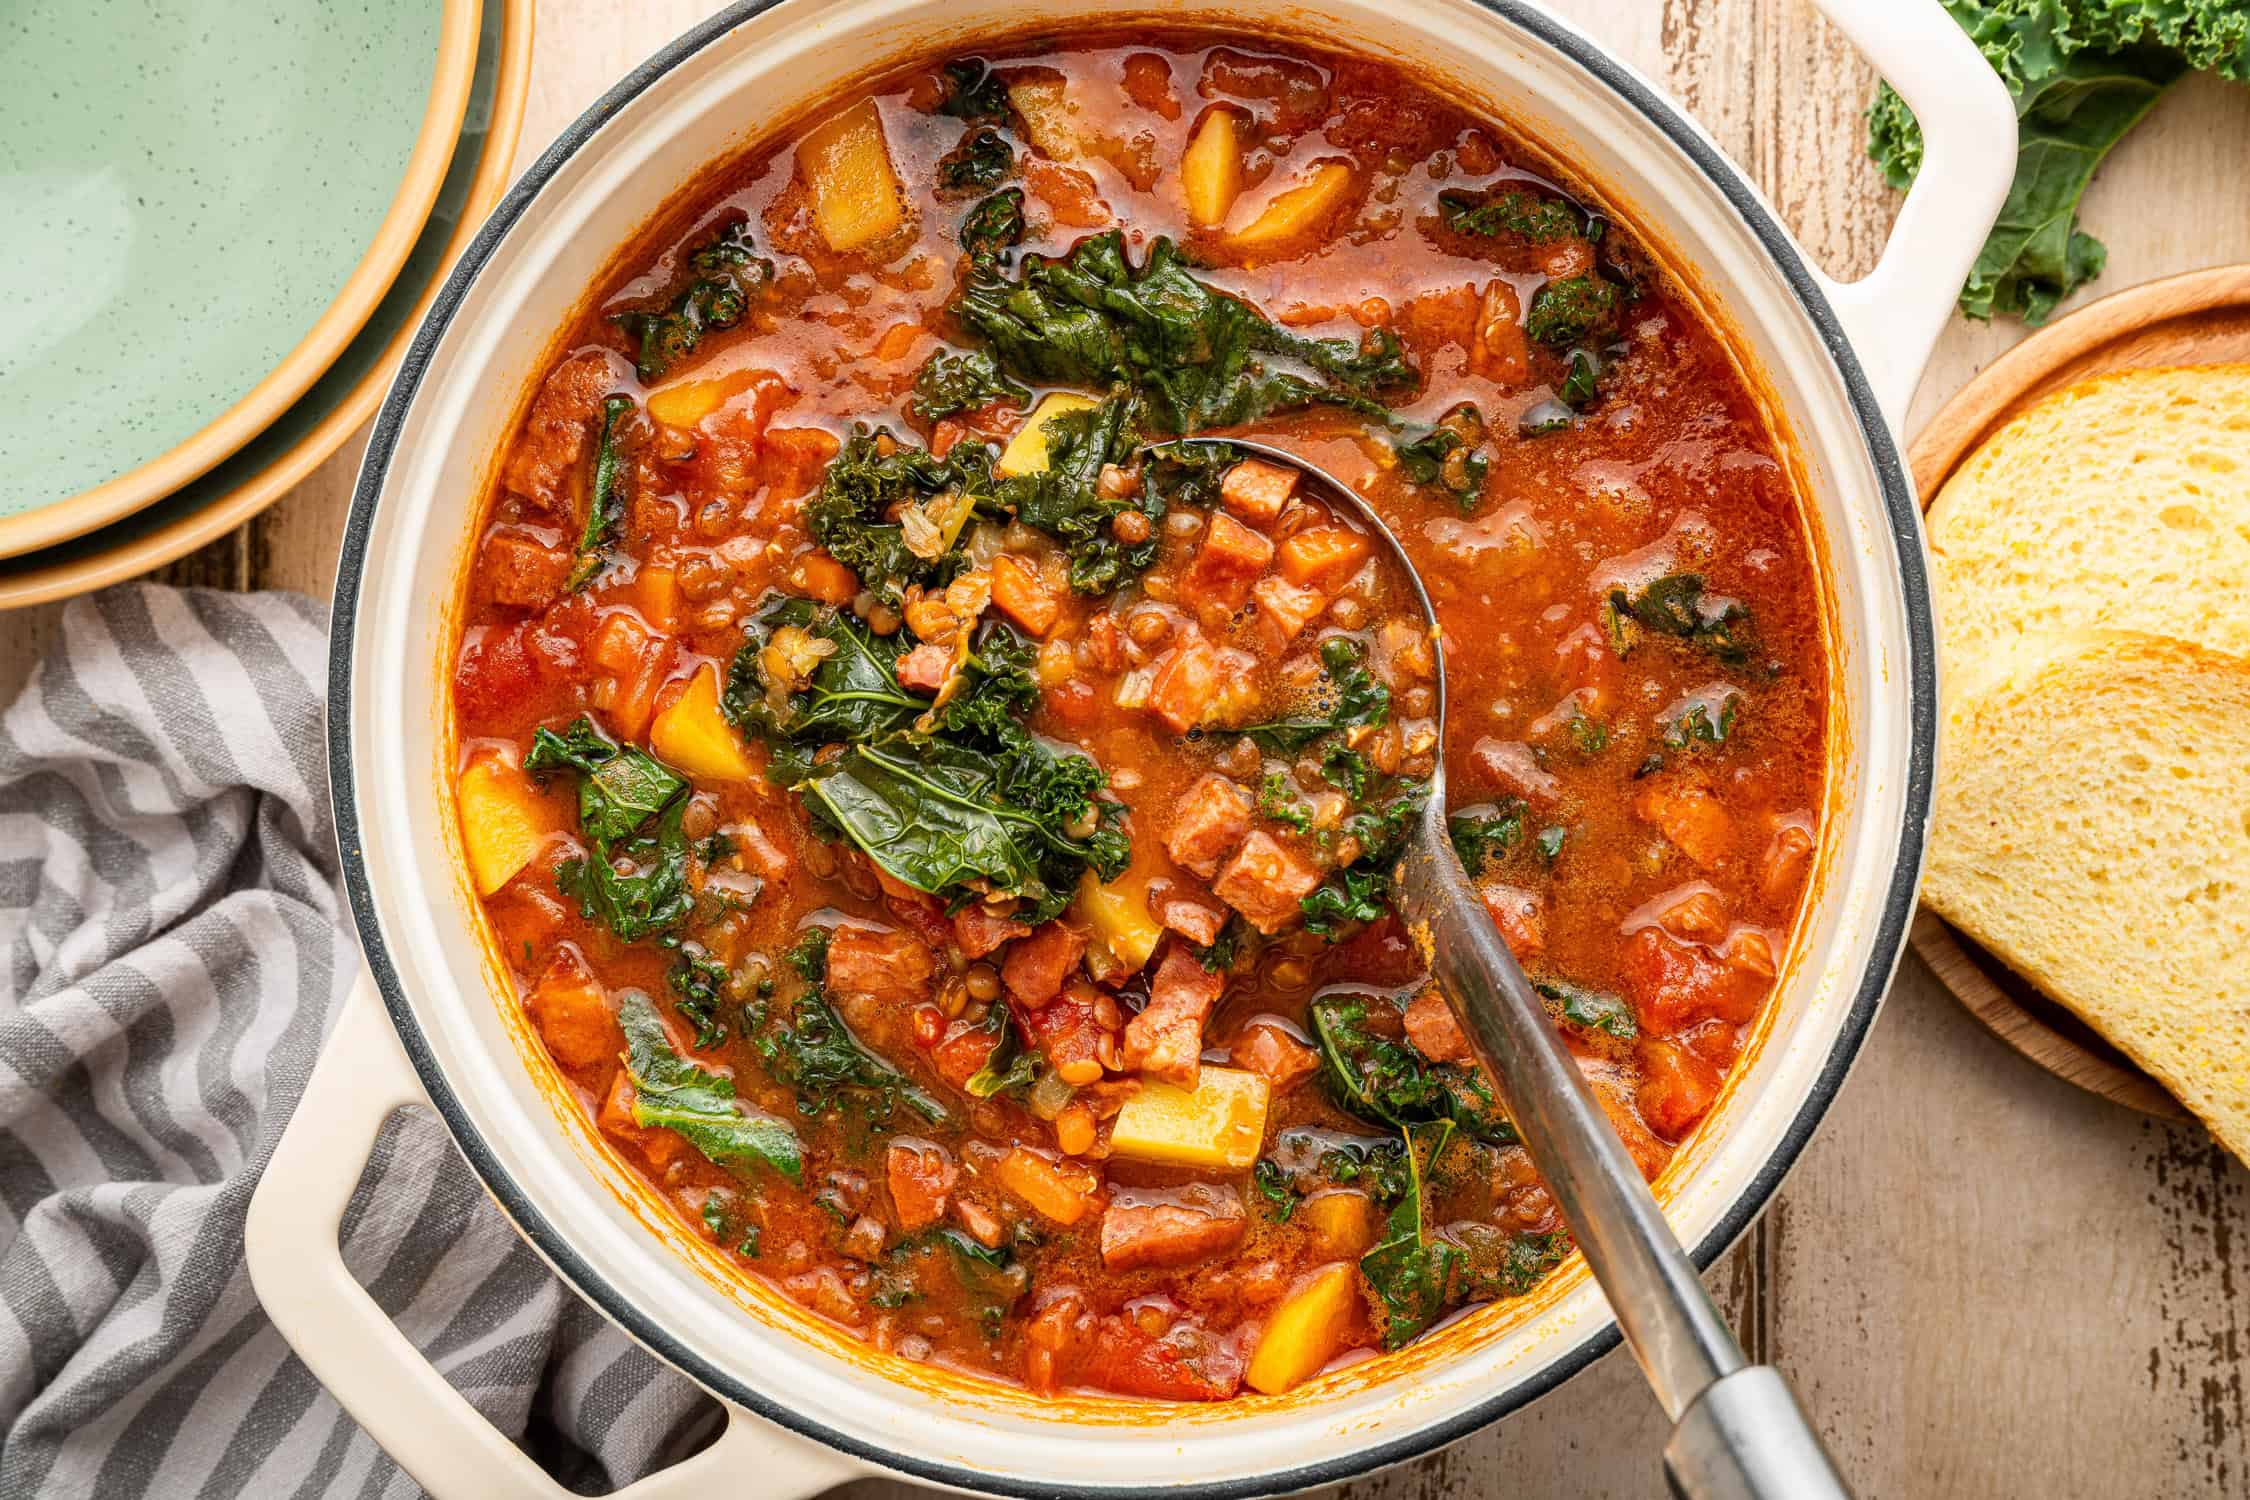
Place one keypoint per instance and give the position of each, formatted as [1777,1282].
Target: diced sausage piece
[1285,608]
[1431,1027]
[1205,1219]
[1781,869]
[1274,1053]
[1517,914]
[925,668]
[1022,595]
[1197,921]
[1165,1041]
[1677,1087]
[977,929]
[1265,881]
[1257,491]
[524,571]
[1211,821]
[921,1176]
[1692,819]
[657,1145]
[557,435]
[1185,683]
[1231,558]
[572,1010]
[1036,967]
[1323,556]
[1673,984]
[881,963]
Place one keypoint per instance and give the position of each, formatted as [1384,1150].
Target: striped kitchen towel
[170,954]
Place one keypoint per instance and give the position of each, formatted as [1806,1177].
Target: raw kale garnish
[605,498]
[1195,356]
[629,809]
[729,274]
[671,1092]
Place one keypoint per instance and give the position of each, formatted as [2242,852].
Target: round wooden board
[2201,318]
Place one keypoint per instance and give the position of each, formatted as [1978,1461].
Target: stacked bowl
[213,273]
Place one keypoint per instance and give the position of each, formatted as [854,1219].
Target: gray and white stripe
[170,954]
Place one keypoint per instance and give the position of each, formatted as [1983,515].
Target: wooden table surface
[1983,1282]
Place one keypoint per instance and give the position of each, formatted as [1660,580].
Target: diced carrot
[817,574]
[1257,491]
[1040,1183]
[1322,556]
[657,591]
[1022,594]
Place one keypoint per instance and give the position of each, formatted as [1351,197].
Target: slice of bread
[2093,830]
[2121,503]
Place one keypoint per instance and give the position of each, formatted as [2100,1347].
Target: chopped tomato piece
[963,1050]
[1036,966]
[1322,556]
[1520,917]
[1265,881]
[1165,1040]
[1185,1364]
[1211,820]
[1674,984]
[978,930]
[1231,558]
[1692,819]
[1022,595]
[921,1176]
[1677,1086]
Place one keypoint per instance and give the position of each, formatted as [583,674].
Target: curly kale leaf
[813,1053]
[852,694]
[963,380]
[1678,605]
[1534,216]
[1448,454]
[2082,74]
[630,806]
[994,225]
[871,475]
[980,163]
[1357,699]
[1197,357]
[1376,1078]
[728,275]
[1065,499]
[974,92]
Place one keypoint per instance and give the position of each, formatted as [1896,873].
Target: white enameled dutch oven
[435,1018]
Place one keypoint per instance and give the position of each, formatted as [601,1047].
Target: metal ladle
[1738,1433]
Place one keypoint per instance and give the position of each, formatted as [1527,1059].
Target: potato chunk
[846,166]
[1221,1123]
[693,736]
[1299,211]
[503,821]
[1124,932]
[1305,1331]
[1211,170]
[1026,452]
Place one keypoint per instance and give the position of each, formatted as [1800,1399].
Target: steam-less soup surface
[939,804]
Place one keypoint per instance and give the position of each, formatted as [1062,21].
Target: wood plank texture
[1984,1281]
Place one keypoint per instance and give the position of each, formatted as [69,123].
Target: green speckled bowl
[203,204]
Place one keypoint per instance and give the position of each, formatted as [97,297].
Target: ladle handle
[1739,1432]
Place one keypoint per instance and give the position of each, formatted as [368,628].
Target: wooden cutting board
[2201,318]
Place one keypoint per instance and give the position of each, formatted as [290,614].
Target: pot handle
[1895,314]
[292,1240]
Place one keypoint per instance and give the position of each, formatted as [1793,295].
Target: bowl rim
[68,577]
[1898,512]
[452,70]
